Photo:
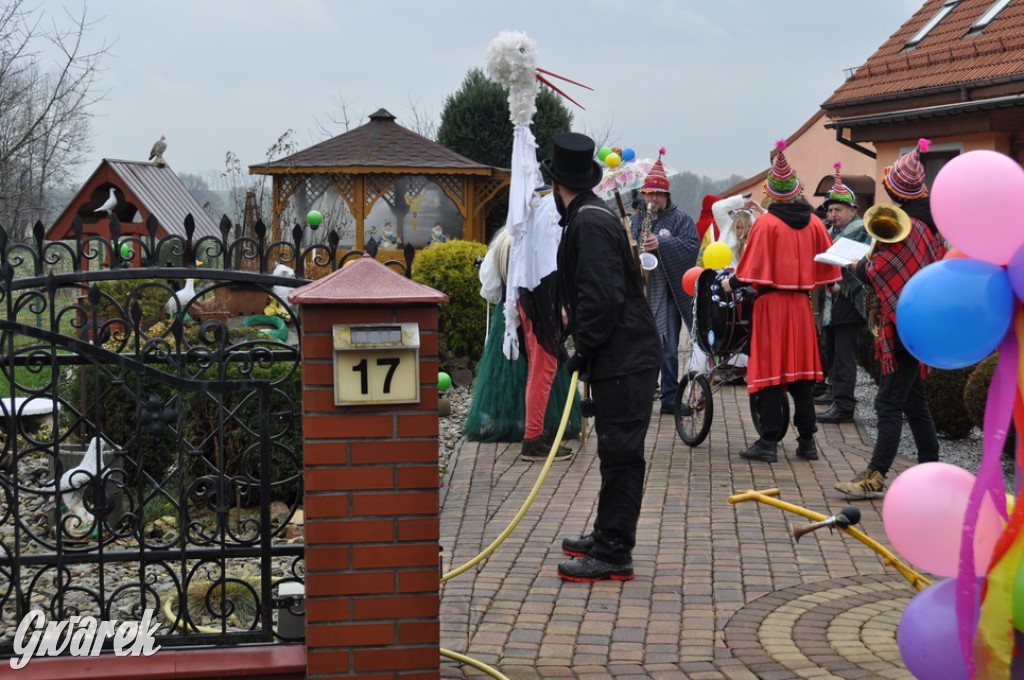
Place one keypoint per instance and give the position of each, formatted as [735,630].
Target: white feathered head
[512,63]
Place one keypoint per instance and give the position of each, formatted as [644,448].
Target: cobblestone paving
[721,590]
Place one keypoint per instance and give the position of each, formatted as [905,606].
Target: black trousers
[622,415]
[843,341]
[902,392]
[770,401]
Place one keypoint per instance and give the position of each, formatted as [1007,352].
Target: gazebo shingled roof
[381,143]
[364,164]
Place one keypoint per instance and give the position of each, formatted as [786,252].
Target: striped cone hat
[782,183]
[905,178]
[656,180]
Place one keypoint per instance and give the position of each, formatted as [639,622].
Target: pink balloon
[923,513]
[977,201]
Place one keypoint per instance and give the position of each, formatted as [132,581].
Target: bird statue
[108,205]
[180,300]
[156,154]
[274,306]
[73,486]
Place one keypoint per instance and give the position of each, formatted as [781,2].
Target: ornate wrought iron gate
[149,462]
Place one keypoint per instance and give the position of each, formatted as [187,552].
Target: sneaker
[867,484]
[538,448]
[766,452]
[806,448]
[587,569]
[579,546]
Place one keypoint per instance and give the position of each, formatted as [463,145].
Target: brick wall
[371,504]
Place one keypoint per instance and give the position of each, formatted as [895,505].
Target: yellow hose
[479,665]
[533,492]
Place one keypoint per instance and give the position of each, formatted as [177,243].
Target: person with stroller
[779,263]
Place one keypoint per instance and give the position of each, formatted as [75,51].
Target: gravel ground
[964,452]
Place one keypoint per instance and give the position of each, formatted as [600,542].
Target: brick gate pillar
[371,474]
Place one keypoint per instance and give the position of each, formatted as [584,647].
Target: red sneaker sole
[573,553]
[580,579]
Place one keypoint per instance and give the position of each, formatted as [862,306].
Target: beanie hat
[905,178]
[656,180]
[782,183]
[840,193]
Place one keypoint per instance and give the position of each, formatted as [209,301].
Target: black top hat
[572,163]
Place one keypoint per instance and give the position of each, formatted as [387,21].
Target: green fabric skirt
[498,411]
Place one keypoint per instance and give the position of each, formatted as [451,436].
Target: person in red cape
[779,264]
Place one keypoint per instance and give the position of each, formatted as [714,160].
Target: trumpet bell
[887,223]
[648,261]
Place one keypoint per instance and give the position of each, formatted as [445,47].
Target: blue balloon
[628,155]
[953,313]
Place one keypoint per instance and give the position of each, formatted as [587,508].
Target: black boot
[766,452]
[806,448]
[579,546]
[834,415]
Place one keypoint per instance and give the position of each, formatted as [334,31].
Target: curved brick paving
[845,627]
[721,591]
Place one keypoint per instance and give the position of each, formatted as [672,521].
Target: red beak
[548,83]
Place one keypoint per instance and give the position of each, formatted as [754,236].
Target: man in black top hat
[617,350]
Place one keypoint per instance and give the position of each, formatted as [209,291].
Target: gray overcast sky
[715,82]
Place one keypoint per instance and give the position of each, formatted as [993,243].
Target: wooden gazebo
[382,161]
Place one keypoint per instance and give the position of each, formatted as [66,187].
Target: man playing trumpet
[901,386]
[673,240]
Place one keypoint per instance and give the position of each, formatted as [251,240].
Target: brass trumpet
[887,224]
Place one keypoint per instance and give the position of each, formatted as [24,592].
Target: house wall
[888,152]
[812,152]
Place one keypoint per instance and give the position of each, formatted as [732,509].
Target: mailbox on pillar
[376,364]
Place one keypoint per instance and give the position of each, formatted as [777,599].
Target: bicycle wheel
[694,408]
[755,415]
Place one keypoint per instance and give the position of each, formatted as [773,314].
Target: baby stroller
[721,329]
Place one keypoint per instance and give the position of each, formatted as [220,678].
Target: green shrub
[450,267]
[945,392]
[119,296]
[976,390]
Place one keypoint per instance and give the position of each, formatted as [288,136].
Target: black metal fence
[150,461]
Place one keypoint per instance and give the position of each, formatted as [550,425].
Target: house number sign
[376,364]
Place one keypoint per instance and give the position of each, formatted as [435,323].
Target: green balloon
[444,381]
[314,218]
[126,251]
[603,153]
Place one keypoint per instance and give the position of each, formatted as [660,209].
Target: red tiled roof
[381,143]
[946,58]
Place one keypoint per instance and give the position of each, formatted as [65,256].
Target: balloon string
[1002,391]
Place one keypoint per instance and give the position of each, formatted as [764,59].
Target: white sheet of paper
[843,252]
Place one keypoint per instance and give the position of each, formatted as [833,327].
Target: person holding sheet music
[843,314]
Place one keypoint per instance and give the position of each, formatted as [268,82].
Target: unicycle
[695,408]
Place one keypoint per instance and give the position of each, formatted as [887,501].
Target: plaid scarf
[888,271]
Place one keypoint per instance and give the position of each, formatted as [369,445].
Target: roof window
[985,19]
[946,8]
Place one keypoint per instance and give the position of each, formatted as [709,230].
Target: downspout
[853,145]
